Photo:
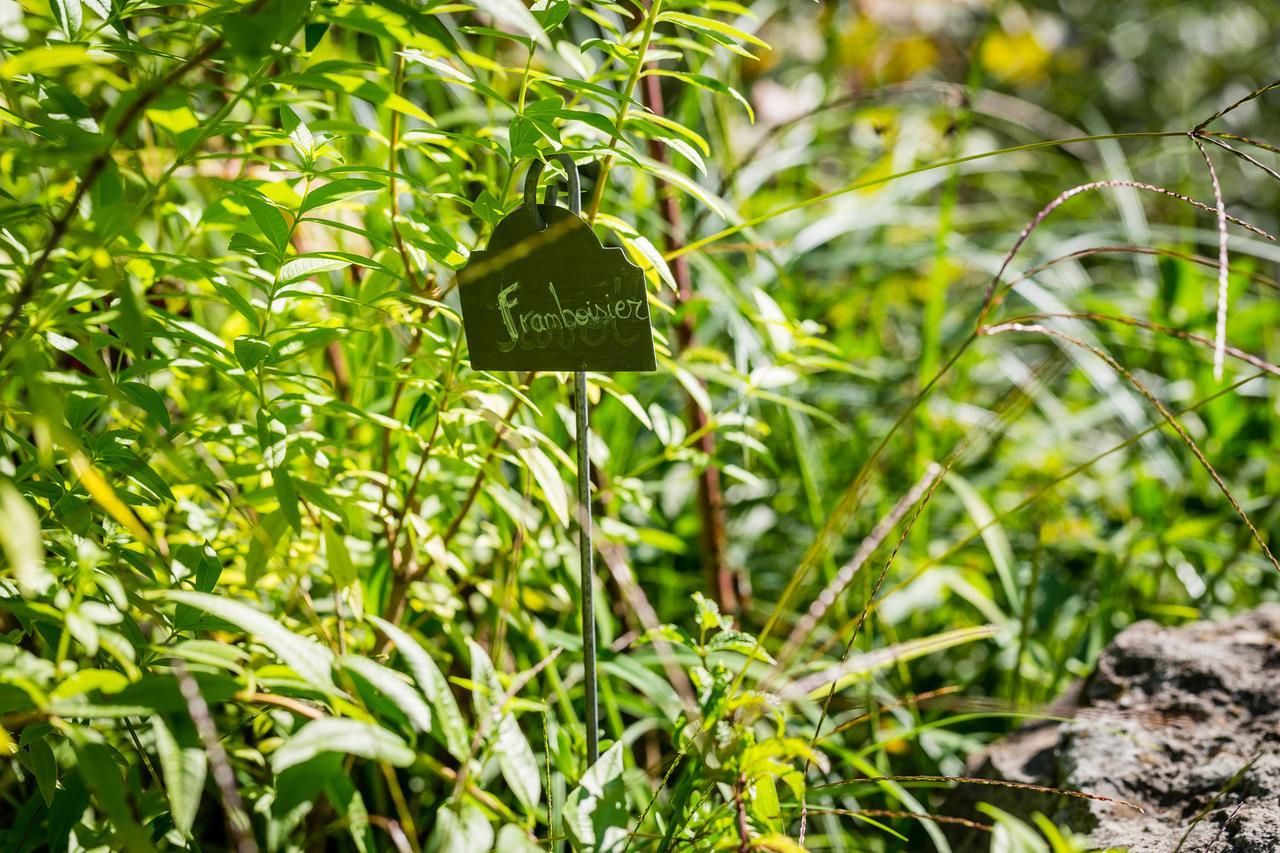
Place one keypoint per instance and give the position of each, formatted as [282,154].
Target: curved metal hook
[531,188]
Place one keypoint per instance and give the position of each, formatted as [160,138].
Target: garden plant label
[554,298]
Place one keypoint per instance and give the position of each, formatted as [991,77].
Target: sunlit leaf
[20,536]
[305,656]
[338,190]
[336,734]
[595,812]
[391,685]
[515,14]
[433,685]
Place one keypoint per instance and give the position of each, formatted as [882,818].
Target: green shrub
[282,572]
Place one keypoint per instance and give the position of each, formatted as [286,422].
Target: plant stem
[393,192]
[711,512]
[888,179]
[31,280]
[624,108]
[591,699]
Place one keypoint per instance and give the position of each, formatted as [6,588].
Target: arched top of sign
[545,294]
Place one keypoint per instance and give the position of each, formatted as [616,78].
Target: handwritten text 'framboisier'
[595,321]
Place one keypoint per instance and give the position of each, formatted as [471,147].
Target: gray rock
[1171,720]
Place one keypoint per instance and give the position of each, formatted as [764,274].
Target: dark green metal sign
[546,295]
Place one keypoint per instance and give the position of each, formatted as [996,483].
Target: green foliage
[280,571]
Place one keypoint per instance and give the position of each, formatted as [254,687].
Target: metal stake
[585,550]
[585,560]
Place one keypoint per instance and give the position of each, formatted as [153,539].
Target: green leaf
[552,14]
[251,351]
[390,684]
[719,31]
[312,661]
[46,769]
[650,254]
[595,812]
[69,15]
[313,34]
[330,78]
[340,565]
[338,734]
[426,24]
[149,400]
[993,534]
[1011,834]
[461,830]
[236,301]
[338,190]
[441,67]
[347,802]
[678,179]
[106,196]
[184,774]
[514,14]
[208,569]
[515,756]
[686,151]
[709,616]
[45,59]
[517,763]
[433,685]
[655,124]
[20,538]
[298,788]
[287,496]
[89,680]
[514,839]
[211,653]
[740,642]
[780,843]
[604,124]
[268,218]
[162,693]
[711,84]
[485,689]
[764,802]
[300,268]
[85,632]
[548,479]
[299,133]
[102,776]
[839,676]
[172,113]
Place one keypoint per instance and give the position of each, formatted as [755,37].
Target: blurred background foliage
[282,572]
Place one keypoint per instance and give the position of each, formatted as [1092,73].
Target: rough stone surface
[1170,719]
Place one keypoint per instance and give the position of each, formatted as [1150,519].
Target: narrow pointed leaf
[337,734]
[433,685]
[390,684]
[305,656]
[184,773]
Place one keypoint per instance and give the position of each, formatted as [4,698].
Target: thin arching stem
[1160,407]
[1220,335]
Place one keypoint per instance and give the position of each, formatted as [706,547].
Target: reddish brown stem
[744,833]
[720,577]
